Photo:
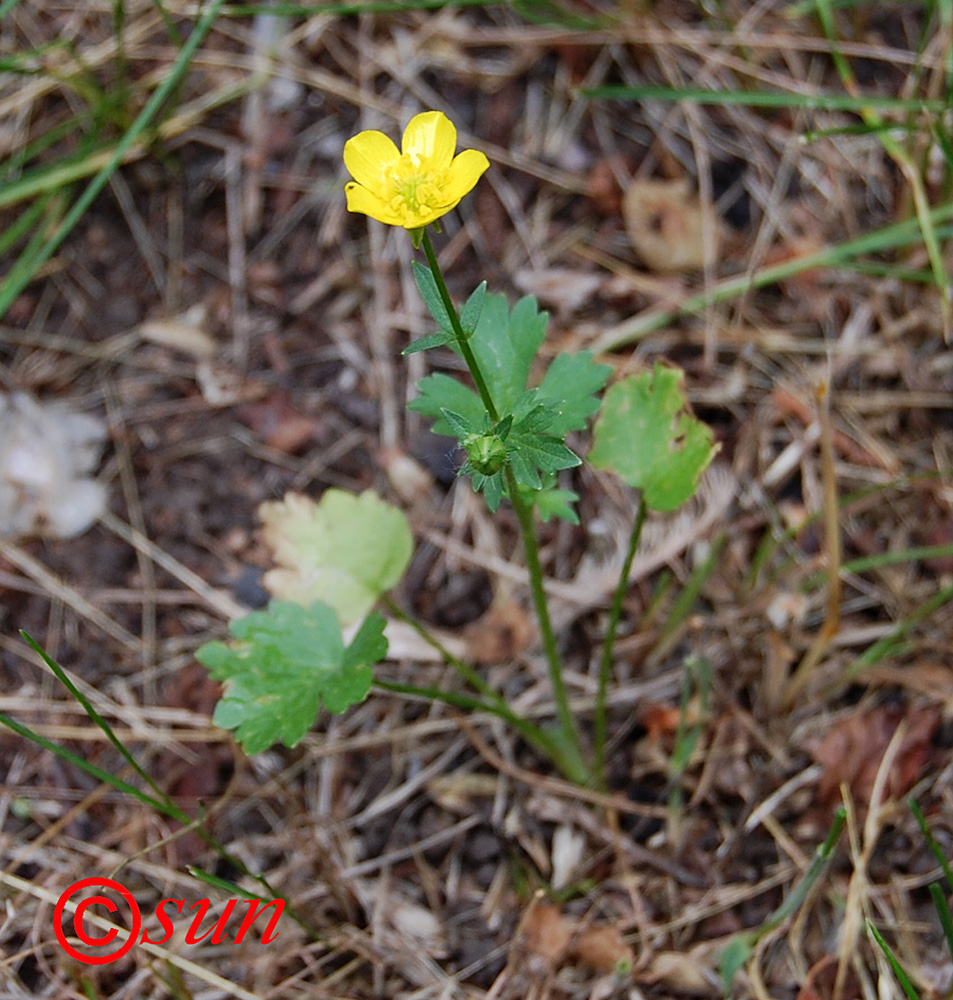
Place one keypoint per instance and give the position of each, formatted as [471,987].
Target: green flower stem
[605,666]
[496,704]
[452,698]
[569,756]
[569,734]
[533,735]
[471,676]
[465,351]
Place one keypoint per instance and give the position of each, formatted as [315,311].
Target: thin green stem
[463,669]
[530,732]
[605,666]
[452,698]
[465,351]
[534,735]
[567,723]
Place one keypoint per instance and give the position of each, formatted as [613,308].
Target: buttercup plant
[339,557]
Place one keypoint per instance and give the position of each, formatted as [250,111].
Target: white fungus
[47,453]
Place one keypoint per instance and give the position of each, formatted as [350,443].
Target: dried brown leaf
[667,224]
[604,949]
[852,750]
[547,933]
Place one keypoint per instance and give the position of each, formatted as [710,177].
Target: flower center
[414,189]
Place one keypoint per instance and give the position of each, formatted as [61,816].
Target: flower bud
[486,452]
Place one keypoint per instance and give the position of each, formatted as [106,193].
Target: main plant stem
[572,761]
[605,666]
[568,733]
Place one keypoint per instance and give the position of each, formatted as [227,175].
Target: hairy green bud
[486,452]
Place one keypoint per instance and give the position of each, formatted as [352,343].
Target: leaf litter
[419,889]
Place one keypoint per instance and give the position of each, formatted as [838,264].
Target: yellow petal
[467,168]
[432,137]
[368,156]
[360,199]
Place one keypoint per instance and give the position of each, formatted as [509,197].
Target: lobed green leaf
[441,392]
[646,436]
[284,663]
[505,343]
[571,384]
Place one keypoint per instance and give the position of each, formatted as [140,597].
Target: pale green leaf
[733,959]
[346,550]
[551,502]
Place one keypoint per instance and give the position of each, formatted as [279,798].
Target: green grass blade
[23,272]
[222,884]
[80,125]
[888,237]
[170,26]
[904,161]
[88,708]
[805,7]
[816,868]
[695,680]
[600,734]
[902,977]
[52,177]
[689,594]
[888,644]
[163,805]
[931,841]
[739,950]
[26,222]
[943,911]
[864,564]
[167,809]
[345,9]
[764,99]
[533,734]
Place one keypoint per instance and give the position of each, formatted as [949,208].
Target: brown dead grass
[412,841]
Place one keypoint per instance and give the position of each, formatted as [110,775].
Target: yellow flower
[417,185]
